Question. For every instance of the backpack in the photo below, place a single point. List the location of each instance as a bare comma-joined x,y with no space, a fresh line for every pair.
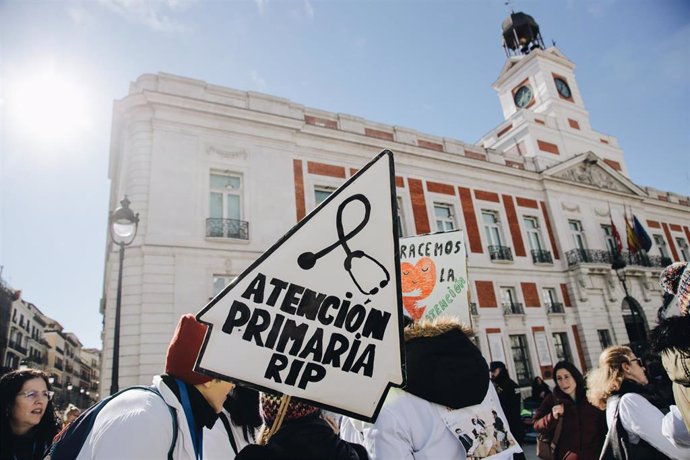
69,442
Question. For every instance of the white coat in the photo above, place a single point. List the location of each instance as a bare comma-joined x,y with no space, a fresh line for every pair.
138,425
217,443
641,419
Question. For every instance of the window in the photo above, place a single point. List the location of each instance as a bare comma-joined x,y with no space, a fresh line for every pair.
604,338
661,244
445,218
492,228
509,302
578,234
560,342
400,221
226,194
225,207
683,246
219,282
550,299
523,370
321,193
609,239
533,233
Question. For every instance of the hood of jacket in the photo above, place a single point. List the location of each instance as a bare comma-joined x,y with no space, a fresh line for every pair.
443,364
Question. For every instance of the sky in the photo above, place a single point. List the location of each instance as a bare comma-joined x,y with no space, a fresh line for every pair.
427,65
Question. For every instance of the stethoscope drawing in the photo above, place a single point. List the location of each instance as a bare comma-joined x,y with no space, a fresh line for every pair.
307,260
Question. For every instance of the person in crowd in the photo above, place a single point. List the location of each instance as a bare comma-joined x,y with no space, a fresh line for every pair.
583,427
540,389
619,384
509,396
671,339
70,414
236,427
27,419
305,433
445,370
137,424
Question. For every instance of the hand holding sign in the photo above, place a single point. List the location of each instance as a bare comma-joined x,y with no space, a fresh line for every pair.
317,316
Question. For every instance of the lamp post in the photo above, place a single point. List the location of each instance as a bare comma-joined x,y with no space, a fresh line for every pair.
619,266
123,229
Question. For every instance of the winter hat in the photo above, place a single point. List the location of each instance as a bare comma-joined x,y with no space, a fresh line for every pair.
296,409
496,365
184,349
675,279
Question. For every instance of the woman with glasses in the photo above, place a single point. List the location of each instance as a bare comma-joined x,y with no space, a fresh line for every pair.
619,385
27,419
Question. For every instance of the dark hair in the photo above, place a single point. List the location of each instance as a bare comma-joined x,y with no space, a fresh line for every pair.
10,385
581,387
243,405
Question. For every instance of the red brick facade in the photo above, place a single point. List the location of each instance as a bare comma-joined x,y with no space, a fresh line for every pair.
470,220
514,225
421,219
486,294
531,295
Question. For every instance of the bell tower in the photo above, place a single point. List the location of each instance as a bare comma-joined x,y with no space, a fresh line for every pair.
544,112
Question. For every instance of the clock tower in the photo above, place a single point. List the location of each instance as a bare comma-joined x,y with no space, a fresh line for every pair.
544,112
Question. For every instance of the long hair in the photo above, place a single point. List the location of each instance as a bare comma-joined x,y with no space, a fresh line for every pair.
580,385
10,385
606,379
243,405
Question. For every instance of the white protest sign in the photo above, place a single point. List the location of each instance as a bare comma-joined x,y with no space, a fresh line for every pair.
318,316
434,276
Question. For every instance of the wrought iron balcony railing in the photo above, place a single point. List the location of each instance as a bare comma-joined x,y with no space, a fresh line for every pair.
603,256
555,308
58,366
473,309
17,346
512,308
541,256
227,228
500,253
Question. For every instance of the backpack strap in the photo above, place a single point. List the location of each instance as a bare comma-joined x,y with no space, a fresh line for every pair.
231,437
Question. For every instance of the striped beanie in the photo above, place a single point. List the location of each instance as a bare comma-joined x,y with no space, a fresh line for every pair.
675,279
296,409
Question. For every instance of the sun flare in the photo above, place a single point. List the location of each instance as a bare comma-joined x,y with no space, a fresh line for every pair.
48,106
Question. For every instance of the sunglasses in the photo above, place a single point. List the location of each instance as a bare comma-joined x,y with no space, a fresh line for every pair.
638,361
33,395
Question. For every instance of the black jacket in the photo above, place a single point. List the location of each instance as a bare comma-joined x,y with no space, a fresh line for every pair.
509,395
307,438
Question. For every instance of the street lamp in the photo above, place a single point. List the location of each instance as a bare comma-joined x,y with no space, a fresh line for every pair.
123,229
619,266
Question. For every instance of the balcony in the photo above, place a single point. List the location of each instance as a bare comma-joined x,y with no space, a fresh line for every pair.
555,308
227,228
58,366
540,256
512,308
603,256
17,346
500,253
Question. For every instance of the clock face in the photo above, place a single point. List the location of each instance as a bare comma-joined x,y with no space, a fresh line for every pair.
563,88
523,96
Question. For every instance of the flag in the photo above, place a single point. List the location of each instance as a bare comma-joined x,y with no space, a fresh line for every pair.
633,243
616,238
642,237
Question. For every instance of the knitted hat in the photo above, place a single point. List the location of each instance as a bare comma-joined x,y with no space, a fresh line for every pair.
184,349
675,279
296,409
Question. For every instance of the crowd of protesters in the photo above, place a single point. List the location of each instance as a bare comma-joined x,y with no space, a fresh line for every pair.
623,408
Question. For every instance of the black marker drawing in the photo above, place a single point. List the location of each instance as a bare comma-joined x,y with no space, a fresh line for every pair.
307,260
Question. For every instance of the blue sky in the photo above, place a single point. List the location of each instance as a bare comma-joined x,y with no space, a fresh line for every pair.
426,65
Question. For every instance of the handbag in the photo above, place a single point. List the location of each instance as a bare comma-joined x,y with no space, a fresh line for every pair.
546,448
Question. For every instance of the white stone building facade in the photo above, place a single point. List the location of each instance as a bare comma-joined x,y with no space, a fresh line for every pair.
217,175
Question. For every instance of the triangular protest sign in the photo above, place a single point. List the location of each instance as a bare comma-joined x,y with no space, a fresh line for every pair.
318,316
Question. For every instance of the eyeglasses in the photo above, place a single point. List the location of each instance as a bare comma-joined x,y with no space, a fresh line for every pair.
33,395
638,361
